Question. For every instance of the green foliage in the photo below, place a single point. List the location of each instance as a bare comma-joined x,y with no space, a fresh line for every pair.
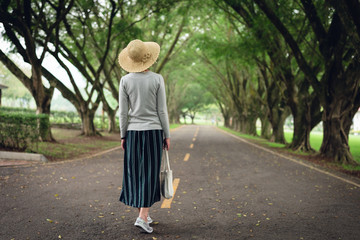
173,126
196,99
16,90
18,110
64,117
18,130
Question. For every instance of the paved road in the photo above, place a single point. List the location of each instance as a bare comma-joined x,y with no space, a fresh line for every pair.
228,189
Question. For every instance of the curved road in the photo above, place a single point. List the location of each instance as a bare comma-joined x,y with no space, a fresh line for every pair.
226,189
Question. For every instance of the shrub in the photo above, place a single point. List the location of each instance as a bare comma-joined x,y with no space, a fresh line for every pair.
18,129
15,109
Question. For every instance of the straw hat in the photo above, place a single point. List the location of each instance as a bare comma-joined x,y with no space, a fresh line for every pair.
138,55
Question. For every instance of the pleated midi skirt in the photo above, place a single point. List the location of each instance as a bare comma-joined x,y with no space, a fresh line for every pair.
142,161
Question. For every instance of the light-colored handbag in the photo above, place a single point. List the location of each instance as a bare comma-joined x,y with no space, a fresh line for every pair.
166,178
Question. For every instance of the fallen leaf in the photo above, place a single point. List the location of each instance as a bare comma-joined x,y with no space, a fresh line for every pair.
49,220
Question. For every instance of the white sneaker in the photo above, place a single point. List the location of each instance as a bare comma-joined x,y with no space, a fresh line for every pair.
144,225
149,219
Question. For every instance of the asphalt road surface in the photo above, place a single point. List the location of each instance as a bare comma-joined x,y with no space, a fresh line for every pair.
225,189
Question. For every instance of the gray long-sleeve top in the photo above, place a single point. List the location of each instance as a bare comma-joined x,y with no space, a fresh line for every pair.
144,94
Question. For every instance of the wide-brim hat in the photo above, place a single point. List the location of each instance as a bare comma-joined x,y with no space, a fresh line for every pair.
138,55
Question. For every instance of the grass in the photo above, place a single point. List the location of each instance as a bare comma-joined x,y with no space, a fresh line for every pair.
71,145
172,126
315,141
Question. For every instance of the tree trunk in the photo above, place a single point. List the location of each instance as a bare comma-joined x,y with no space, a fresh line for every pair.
46,135
265,127
42,98
236,124
306,116
174,116
226,121
277,122
184,116
335,143
278,134
111,114
112,122
242,123
88,126
177,118
249,125
225,111
301,134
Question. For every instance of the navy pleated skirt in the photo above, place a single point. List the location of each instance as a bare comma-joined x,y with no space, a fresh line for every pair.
142,161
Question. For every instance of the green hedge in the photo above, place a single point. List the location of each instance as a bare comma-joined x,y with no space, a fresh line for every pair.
64,118
19,129
15,109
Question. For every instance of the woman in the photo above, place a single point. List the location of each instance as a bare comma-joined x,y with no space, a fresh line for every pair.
142,128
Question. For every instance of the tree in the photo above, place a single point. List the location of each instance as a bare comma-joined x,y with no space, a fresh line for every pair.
338,87
21,25
171,30
84,30
73,46
283,76
227,72
196,99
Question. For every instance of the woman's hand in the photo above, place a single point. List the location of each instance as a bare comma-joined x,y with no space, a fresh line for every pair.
167,144
123,144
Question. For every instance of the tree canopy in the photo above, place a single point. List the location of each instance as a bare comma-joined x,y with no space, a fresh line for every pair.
257,59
